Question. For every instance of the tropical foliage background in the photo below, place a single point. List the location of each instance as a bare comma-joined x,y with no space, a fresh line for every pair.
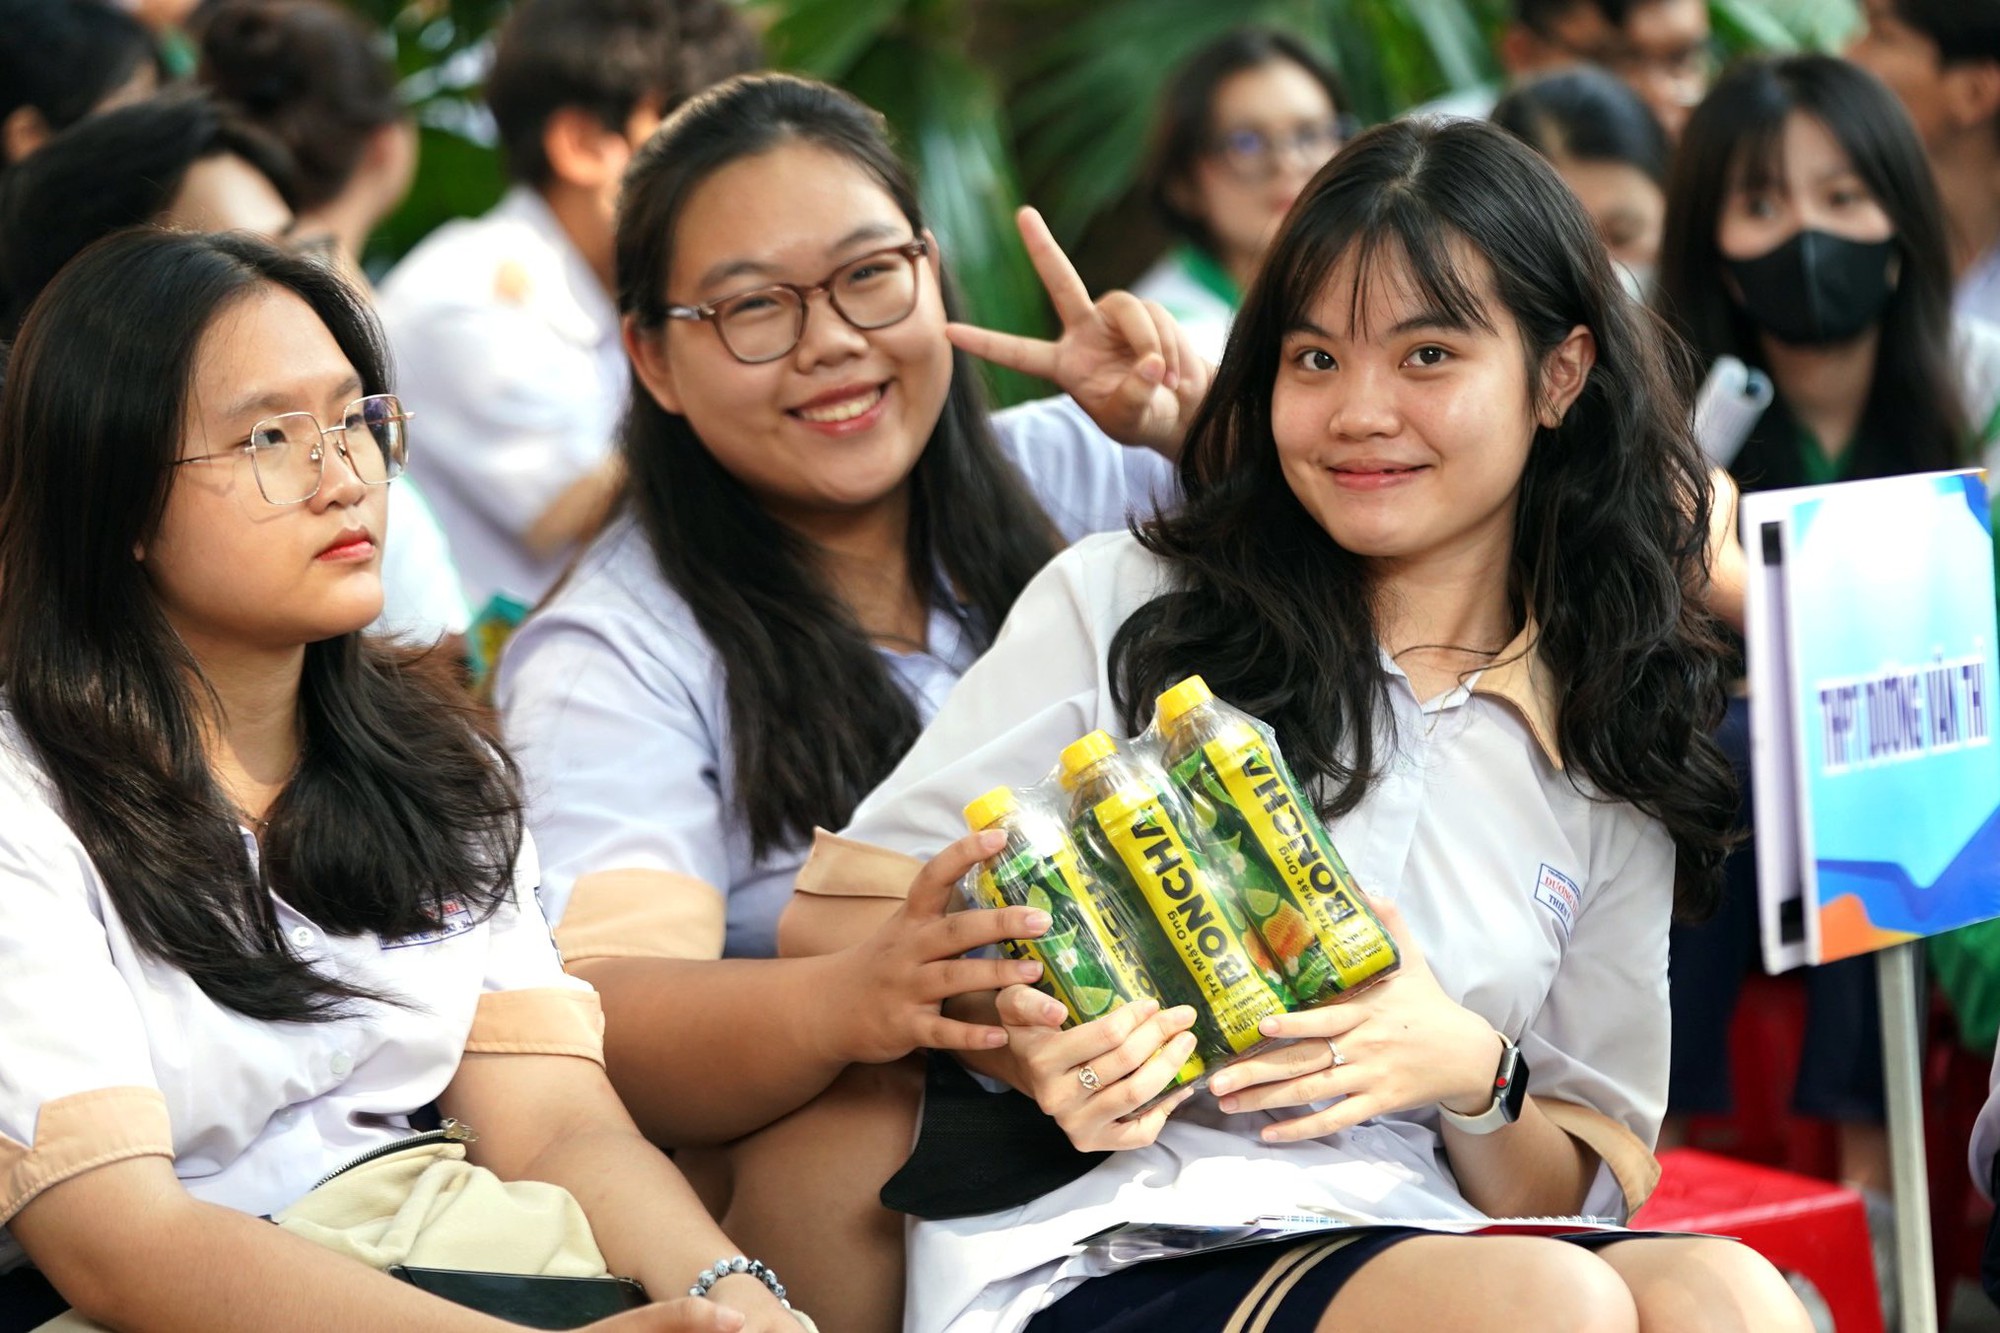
1000,102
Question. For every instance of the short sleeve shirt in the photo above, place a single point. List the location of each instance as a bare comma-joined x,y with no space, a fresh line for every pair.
616,705
1539,908
507,354
111,1053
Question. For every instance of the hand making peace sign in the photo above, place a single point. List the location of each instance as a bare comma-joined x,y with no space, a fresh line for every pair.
1125,361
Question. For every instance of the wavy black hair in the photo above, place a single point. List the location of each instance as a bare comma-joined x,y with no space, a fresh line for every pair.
1611,518
402,800
1915,417
816,720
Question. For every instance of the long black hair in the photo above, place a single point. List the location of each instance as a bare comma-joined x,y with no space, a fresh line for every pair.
1915,417
816,720
401,800
1611,519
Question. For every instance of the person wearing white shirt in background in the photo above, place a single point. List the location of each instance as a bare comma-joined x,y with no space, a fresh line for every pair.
265,892
1442,517
1242,126
820,533
504,330
314,77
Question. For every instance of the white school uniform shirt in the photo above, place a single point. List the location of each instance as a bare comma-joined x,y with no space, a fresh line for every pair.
422,599
1197,293
615,704
1539,909
111,1054
507,352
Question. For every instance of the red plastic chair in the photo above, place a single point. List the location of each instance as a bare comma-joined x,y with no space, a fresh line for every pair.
1805,1226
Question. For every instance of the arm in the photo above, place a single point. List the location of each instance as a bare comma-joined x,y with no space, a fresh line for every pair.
797,1022
130,1249
554,1118
1728,569
578,509
497,402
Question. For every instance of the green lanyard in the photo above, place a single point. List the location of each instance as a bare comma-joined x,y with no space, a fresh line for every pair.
1816,467
1208,275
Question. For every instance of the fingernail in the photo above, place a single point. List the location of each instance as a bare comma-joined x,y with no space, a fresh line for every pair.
1151,371
992,840
1269,1134
1228,1103
1221,1084
728,1319
1028,971
1269,1027
1053,1012
1173,380
995,1038
1182,1016
1038,920
1147,1008
1184,1045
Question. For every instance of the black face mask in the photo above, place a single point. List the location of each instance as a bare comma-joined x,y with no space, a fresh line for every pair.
1816,288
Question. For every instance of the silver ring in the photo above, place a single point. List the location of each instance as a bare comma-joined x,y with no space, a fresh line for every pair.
1338,1058
1088,1077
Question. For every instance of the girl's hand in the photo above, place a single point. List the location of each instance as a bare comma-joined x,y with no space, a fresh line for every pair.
686,1315
1125,361
894,983
1403,1043
1132,1054
759,1313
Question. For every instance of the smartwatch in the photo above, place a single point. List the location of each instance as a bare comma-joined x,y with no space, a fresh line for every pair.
1510,1093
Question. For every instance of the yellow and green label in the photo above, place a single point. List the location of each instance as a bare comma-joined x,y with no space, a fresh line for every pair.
1313,881
1210,947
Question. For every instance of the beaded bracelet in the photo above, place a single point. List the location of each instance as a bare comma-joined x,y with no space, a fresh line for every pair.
706,1279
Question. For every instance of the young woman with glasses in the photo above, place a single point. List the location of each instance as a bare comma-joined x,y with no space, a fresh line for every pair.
821,530
1242,127
265,894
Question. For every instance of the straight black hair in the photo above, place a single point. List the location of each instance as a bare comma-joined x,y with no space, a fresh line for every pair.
64,57
1964,30
1610,530
1915,417
1185,125
816,720
311,74
606,57
115,170
1586,115
401,803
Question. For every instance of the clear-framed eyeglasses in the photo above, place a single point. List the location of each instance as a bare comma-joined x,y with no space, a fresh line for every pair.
765,323
1252,155
288,452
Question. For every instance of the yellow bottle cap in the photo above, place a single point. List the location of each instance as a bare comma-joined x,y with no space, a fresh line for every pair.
989,809
1079,755
1182,699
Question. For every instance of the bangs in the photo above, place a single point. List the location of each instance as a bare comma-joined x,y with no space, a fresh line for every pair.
1758,129
1397,241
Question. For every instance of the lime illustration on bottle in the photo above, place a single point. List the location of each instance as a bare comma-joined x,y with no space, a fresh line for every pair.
1298,892
1089,961
1126,827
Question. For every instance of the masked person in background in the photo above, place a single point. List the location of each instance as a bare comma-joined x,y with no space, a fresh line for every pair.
1804,237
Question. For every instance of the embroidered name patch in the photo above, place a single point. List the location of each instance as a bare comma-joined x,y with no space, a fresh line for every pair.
456,920
1558,892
